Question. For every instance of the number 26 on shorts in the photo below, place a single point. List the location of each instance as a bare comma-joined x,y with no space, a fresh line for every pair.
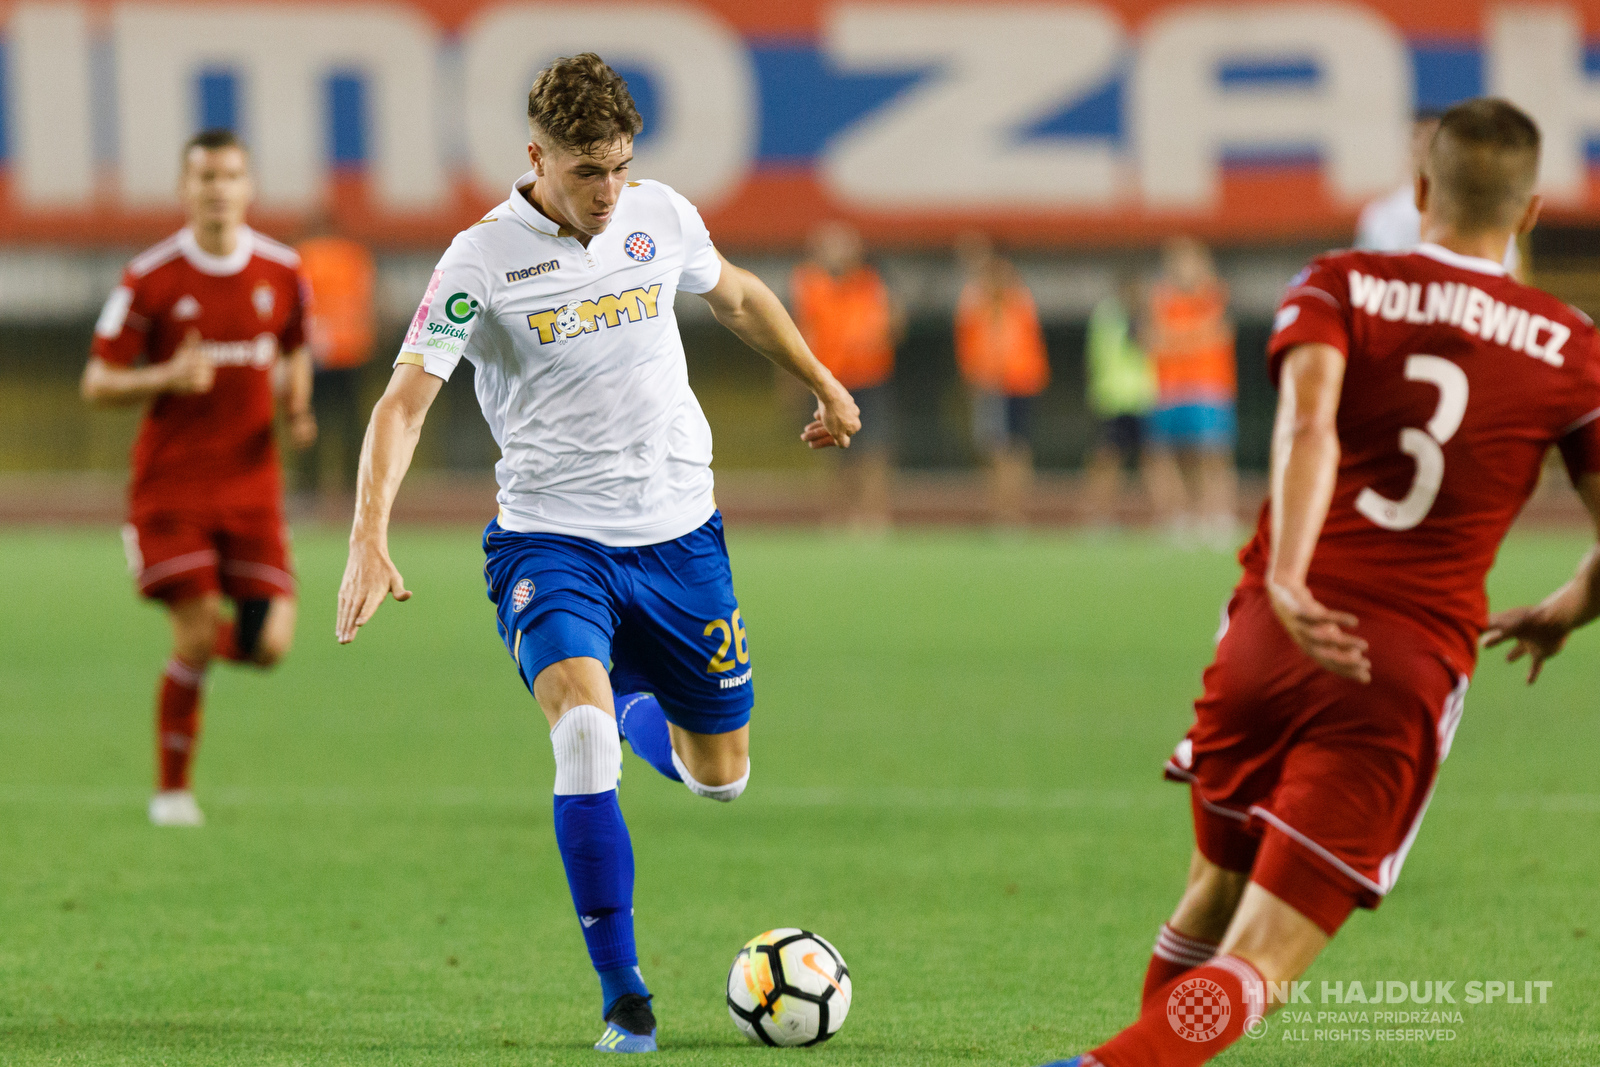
1425,447
733,637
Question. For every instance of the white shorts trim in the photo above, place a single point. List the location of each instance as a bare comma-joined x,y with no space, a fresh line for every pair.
263,572
130,548
189,561
1317,850
1215,809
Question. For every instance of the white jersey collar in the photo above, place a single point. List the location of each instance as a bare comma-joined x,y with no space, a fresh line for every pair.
218,266
526,211
1456,259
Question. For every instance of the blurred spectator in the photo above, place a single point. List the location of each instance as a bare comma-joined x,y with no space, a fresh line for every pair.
847,317
1392,223
1191,343
1122,392
1000,351
341,275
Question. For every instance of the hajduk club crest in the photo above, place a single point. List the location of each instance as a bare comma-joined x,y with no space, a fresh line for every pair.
521,593
640,246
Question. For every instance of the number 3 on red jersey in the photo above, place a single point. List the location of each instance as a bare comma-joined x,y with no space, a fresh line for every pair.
1423,446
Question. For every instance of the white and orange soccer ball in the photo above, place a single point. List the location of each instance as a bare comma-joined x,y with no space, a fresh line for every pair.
788,987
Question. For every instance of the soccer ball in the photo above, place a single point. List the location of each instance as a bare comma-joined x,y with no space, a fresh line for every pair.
788,987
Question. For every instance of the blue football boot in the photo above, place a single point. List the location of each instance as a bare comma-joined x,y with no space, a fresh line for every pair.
630,1026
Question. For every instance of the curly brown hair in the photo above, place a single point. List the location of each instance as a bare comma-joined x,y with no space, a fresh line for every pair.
582,105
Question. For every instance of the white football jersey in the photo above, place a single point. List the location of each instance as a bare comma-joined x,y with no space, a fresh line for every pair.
578,363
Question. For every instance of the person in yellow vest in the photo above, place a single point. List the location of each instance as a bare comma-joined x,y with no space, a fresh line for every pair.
845,312
342,276
1001,354
1122,393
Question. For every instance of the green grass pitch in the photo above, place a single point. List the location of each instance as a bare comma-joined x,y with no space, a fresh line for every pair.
956,779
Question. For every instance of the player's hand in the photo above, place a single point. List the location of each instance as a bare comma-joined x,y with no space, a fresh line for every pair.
1321,633
303,429
190,370
1538,634
369,576
836,421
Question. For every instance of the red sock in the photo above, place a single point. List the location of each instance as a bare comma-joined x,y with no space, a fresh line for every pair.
177,723
227,646
1174,954
1190,1019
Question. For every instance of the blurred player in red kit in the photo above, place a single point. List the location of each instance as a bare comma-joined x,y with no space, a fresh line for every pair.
207,330
1418,395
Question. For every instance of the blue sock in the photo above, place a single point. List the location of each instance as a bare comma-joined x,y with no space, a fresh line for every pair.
598,857
620,980
644,726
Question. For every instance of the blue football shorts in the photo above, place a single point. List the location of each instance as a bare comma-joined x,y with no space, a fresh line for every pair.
1203,426
663,617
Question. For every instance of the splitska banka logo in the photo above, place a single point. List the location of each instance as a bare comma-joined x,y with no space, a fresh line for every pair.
585,316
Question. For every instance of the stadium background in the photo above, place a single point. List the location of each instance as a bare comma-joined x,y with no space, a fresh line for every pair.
957,758
1078,134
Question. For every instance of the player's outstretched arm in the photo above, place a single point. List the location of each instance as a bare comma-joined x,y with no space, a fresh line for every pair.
1541,631
189,370
743,303
1305,465
369,574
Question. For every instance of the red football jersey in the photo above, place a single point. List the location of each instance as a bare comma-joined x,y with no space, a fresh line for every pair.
1458,381
210,451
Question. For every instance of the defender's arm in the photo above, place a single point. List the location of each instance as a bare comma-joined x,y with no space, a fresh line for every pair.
386,453
743,303
1541,631
1305,465
188,371
297,398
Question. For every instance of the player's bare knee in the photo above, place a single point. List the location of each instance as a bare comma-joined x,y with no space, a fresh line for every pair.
194,630
271,650
572,683
273,636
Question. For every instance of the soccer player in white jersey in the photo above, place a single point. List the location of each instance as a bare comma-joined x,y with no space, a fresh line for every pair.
608,549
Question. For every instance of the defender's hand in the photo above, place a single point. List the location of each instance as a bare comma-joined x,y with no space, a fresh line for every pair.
369,576
1538,634
190,370
303,429
836,421
1321,633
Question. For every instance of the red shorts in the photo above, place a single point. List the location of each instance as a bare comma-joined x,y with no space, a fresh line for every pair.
1314,784
179,556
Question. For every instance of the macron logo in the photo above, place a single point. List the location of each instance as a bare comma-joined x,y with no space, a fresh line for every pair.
534,271
1463,306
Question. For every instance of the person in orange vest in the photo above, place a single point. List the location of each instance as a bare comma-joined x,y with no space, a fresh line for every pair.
1191,341
845,313
341,275
1000,352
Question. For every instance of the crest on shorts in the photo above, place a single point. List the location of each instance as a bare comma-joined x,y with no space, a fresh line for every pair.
521,593
640,246
264,297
